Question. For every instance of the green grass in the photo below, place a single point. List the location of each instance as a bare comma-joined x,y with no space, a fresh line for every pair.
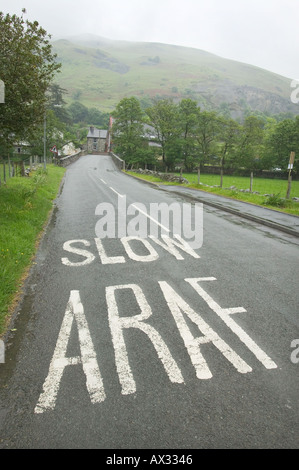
261,185
189,70
275,187
25,204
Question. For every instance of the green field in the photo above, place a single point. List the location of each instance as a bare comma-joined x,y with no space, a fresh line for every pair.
24,210
275,189
261,185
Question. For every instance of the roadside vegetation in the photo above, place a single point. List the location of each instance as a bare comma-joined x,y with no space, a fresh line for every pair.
229,155
185,136
272,191
24,210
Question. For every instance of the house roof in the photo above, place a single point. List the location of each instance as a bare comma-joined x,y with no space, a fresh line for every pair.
96,133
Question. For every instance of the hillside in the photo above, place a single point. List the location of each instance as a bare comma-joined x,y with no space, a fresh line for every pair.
100,72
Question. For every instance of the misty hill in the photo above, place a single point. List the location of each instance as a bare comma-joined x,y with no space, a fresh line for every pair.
99,72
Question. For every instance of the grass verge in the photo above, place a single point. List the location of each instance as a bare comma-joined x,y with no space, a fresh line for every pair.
25,205
272,191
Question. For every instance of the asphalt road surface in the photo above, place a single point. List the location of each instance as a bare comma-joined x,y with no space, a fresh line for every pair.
152,343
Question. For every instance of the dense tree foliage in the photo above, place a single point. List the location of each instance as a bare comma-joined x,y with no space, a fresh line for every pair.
190,137
128,132
27,68
80,114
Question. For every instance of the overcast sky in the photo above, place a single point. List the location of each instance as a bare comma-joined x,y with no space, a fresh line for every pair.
258,32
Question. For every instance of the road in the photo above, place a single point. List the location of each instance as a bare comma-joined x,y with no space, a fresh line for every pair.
123,343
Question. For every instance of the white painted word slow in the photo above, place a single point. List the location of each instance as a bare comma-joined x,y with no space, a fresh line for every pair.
173,246
180,311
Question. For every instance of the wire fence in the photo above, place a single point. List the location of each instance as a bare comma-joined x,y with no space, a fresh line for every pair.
12,167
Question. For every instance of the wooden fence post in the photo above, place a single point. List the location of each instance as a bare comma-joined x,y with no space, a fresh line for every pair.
290,168
251,181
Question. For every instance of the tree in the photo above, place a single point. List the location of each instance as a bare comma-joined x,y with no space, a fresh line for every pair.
207,131
98,118
78,112
128,130
228,137
188,114
28,67
55,135
250,143
163,116
281,140
57,103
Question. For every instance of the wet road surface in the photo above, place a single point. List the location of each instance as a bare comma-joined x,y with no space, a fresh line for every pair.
129,344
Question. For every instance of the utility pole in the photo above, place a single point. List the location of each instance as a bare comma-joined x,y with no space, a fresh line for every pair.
45,140
290,168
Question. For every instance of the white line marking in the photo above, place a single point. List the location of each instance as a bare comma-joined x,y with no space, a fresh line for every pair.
120,195
151,218
103,181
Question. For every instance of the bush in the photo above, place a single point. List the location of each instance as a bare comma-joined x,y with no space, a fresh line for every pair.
275,200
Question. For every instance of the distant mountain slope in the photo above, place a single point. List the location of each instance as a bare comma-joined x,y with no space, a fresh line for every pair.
100,72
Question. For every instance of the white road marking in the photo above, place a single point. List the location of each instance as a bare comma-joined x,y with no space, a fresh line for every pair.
67,246
117,324
151,218
107,259
103,181
224,314
169,246
112,189
177,305
152,255
94,383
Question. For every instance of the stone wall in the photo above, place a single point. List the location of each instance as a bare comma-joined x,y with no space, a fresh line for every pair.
65,161
164,176
118,161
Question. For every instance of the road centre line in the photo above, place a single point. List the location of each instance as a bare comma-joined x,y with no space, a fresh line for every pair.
103,181
142,212
120,195
151,218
